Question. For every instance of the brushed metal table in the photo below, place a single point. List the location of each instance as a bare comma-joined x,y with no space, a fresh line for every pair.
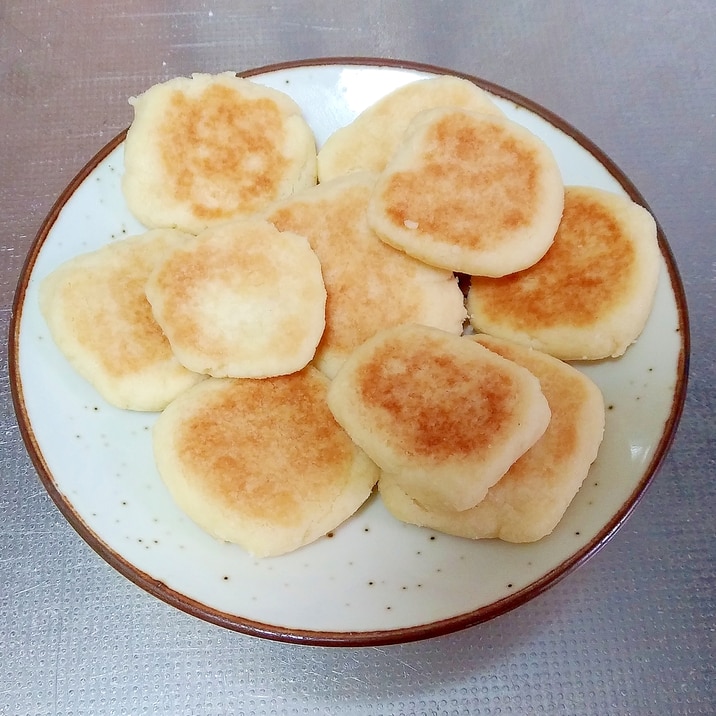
633,630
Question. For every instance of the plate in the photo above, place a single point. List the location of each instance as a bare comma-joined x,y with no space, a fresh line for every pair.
375,580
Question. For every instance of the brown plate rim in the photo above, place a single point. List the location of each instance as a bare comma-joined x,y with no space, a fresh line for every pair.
352,638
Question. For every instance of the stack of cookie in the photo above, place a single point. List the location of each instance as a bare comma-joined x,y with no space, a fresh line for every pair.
394,308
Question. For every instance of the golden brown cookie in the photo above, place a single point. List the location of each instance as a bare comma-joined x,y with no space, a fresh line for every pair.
591,294
261,463
369,285
444,415
211,148
369,141
241,300
98,315
470,192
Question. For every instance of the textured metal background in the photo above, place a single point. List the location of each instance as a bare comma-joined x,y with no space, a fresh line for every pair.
632,631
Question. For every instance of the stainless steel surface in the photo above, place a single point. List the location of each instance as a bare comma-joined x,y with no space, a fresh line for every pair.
630,632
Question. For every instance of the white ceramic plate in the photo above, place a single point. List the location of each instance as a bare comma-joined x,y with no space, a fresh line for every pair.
376,580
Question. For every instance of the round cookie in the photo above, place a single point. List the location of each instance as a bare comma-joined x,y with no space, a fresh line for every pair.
474,193
444,415
369,141
240,300
211,148
99,317
261,463
591,294
370,285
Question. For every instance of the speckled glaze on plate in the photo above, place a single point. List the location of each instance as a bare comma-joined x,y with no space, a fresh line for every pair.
374,580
